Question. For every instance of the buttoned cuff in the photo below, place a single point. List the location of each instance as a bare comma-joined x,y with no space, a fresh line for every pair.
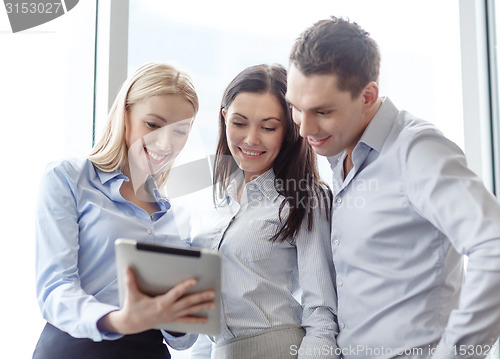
180,343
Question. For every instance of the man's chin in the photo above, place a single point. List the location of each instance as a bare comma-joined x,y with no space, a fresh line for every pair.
323,152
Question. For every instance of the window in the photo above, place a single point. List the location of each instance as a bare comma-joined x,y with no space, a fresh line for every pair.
215,40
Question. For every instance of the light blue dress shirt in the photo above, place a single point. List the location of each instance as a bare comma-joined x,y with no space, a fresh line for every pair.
402,220
266,284
80,214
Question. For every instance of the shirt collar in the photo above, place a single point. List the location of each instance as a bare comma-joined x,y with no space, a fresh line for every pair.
107,176
265,183
234,184
379,127
150,186
377,130
333,160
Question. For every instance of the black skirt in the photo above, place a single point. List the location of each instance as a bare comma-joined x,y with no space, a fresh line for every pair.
56,344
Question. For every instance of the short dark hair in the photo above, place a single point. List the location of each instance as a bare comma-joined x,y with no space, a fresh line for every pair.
339,47
295,163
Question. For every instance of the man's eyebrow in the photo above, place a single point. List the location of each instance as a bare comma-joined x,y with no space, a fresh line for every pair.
315,108
321,107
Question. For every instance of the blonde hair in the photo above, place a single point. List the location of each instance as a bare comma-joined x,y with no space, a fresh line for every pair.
152,79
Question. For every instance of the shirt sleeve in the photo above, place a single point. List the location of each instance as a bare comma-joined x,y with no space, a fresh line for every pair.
316,279
450,196
62,301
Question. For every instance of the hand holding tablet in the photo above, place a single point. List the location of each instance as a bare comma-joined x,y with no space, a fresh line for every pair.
169,278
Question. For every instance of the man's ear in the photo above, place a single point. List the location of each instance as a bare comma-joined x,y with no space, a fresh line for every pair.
370,94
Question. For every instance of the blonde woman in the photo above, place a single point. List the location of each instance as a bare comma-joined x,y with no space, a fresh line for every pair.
86,204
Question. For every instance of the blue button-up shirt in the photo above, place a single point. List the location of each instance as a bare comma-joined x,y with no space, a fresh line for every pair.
266,284
402,220
80,214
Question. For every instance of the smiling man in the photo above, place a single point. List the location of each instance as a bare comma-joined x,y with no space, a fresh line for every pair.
406,210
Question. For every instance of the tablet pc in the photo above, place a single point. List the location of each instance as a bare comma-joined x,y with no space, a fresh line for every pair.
159,268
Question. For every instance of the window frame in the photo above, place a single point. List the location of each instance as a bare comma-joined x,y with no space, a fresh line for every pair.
494,79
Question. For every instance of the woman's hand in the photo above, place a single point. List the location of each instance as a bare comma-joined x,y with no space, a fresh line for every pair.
141,312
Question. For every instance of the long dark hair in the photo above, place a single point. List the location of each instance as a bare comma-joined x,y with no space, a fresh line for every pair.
295,167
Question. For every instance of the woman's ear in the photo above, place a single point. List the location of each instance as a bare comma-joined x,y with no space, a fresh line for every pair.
125,120
223,113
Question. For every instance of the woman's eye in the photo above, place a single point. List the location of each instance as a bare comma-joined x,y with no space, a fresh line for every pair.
238,124
268,129
152,125
180,132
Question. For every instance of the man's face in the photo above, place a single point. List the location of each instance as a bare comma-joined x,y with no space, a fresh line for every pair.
330,119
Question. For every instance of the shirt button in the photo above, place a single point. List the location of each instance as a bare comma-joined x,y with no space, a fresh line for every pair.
260,198
342,325
252,187
339,200
340,283
337,242
149,232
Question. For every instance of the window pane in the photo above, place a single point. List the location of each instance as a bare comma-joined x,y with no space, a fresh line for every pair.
419,41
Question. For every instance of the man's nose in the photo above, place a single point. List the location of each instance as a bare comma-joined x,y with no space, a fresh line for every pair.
308,124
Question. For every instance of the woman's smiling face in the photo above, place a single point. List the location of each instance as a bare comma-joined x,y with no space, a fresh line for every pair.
255,128
156,130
